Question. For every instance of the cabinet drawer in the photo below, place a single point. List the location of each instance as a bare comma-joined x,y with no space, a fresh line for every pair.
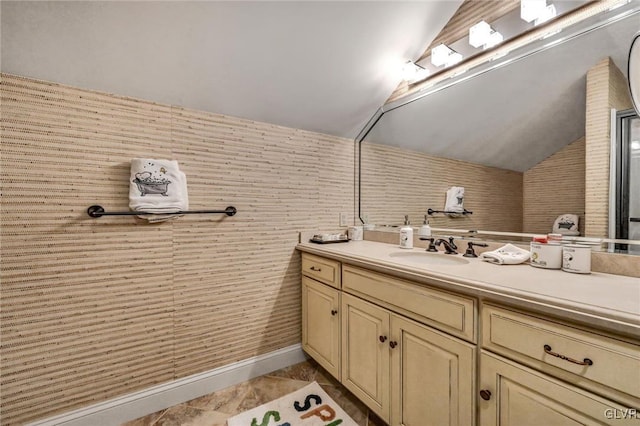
447,312
534,341
321,269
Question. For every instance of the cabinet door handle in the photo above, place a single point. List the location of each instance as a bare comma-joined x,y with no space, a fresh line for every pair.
393,344
313,268
485,394
334,312
382,339
586,361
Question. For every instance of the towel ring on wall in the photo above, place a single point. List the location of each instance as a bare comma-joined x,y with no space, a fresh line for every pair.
432,211
98,211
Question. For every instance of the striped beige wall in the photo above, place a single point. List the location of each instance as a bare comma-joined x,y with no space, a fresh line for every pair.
95,308
396,182
606,89
553,187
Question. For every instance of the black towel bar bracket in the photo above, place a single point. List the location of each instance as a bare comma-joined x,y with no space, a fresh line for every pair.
98,211
431,211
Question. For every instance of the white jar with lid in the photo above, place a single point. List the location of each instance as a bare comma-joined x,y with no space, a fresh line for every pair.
576,258
546,255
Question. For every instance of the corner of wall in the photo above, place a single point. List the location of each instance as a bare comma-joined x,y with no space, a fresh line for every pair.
605,90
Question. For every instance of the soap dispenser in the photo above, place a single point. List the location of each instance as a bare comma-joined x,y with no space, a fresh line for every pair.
425,230
406,234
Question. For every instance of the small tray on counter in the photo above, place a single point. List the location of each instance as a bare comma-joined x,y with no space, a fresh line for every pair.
329,239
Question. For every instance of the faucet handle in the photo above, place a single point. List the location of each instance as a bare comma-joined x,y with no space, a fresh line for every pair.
470,252
432,246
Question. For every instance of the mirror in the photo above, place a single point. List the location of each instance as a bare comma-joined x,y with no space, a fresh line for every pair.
511,132
634,71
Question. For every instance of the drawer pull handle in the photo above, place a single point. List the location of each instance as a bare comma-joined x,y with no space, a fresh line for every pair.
334,312
586,361
393,344
382,339
313,268
485,394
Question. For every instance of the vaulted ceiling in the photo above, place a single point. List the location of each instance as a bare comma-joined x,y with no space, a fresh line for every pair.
319,66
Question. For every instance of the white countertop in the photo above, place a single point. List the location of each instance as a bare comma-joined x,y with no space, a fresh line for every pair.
605,300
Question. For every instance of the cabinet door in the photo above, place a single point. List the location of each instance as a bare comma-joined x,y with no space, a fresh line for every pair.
365,353
432,377
321,324
512,394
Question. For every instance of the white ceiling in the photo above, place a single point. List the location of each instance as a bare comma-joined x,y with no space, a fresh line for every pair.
319,66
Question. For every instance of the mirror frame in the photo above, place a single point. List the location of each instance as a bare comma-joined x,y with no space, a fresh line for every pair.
569,33
634,61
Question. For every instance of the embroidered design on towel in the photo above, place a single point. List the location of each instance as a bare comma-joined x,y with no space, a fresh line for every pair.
152,182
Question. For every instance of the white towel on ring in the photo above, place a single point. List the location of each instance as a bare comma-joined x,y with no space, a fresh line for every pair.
157,186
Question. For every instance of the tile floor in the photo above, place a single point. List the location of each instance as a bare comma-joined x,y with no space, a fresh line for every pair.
215,408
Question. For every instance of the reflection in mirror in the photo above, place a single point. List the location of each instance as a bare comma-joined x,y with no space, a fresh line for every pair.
626,195
528,137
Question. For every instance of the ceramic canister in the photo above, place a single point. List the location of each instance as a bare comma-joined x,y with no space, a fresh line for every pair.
576,258
547,256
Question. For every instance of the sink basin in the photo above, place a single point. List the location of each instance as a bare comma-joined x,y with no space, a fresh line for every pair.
428,258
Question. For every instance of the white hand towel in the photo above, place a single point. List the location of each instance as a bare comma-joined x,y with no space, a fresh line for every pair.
157,186
506,255
455,200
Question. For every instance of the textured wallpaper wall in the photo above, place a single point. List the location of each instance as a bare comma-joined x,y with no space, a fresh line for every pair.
553,187
94,308
396,182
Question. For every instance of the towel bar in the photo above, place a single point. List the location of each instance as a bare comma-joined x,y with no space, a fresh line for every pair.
98,211
432,211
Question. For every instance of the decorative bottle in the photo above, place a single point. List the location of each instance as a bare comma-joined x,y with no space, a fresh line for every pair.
425,230
406,234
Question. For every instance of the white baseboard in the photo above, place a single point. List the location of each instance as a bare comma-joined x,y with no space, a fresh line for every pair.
134,405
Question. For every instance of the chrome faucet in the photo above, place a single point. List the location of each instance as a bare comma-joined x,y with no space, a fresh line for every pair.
449,246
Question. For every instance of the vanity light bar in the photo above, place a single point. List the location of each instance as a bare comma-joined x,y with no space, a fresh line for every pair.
530,9
546,14
443,55
482,35
536,11
412,72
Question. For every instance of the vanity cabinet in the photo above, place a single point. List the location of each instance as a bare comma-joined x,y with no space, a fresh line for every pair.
432,376
601,364
321,311
321,324
407,372
377,335
556,374
419,355
326,271
365,353
514,395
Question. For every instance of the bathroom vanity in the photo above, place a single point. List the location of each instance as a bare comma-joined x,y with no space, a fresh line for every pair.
433,339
